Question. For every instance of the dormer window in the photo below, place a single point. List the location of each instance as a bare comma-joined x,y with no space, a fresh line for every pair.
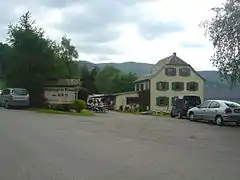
184,72
170,71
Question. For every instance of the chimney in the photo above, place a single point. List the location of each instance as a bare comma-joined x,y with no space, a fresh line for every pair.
174,54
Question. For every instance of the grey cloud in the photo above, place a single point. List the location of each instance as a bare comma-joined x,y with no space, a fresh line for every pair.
192,45
102,36
153,30
96,49
103,58
58,3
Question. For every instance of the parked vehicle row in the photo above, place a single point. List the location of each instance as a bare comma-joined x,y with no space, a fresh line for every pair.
214,111
14,97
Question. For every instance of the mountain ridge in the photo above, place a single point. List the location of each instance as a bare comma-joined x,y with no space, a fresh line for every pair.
213,81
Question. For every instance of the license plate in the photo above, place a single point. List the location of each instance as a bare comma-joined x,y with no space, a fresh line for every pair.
237,110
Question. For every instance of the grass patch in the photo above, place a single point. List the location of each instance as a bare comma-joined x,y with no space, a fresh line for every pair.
84,112
161,114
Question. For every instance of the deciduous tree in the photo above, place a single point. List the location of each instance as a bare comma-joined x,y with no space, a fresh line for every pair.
223,31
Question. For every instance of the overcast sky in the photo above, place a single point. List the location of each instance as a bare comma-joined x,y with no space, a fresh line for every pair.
122,30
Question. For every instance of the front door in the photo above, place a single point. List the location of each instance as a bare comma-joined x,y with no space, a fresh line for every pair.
203,110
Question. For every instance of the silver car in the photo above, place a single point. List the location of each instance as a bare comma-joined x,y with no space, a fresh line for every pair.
14,97
216,111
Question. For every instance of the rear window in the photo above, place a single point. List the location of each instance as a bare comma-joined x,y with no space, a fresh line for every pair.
21,92
192,100
232,104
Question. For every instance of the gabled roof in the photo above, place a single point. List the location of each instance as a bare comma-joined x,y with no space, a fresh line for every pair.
170,60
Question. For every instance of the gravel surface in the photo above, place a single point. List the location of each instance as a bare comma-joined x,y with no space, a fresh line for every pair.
115,146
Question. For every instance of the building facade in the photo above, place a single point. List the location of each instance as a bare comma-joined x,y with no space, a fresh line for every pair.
169,78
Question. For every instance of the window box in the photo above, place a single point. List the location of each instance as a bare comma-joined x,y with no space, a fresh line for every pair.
162,86
170,71
192,86
177,86
162,101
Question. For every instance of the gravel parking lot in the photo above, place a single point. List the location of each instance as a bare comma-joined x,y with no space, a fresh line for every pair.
114,146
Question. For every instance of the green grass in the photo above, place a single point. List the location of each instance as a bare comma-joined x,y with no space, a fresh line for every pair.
161,114
84,112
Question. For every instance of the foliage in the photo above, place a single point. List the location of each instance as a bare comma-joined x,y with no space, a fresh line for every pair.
69,55
112,80
84,112
30,59
88,79
79,105
223,31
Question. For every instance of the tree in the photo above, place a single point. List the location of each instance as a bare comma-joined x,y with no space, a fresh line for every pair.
104,79
123,82
88,78
112,80
223,31
4,55
69,55
33,59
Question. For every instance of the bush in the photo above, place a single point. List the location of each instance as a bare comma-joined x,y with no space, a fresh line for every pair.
79,105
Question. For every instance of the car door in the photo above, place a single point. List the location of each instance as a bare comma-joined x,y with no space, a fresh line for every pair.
4,96
202,110
212,110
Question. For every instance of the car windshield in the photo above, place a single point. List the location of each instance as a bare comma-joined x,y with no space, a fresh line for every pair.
232,104
21,92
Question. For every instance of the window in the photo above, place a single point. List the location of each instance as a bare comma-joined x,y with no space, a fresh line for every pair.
170,71
6,92
178,86
137,87
205,104
131,100
184,72
141,87
192,86
232,104
162,101
162,86
214,104
20,92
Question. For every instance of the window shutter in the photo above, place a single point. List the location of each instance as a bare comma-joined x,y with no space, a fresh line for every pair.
167,85
157,85
173,86
196,86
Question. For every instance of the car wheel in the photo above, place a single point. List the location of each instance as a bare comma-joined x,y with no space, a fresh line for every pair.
238,123
191,116
172,115
6,105
179,116
219,120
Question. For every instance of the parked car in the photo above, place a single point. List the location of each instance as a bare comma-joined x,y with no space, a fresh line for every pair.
14,97
216,111
183,103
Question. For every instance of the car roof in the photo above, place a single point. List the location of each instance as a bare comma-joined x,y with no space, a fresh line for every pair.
222,101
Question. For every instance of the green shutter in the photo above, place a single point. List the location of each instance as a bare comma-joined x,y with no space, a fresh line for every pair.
173,86
157,85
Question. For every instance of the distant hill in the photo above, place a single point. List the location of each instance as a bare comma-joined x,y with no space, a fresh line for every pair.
215,88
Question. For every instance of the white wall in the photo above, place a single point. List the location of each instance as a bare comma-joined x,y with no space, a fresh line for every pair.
56,95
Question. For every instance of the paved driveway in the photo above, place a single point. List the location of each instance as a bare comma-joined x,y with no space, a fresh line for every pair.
114,147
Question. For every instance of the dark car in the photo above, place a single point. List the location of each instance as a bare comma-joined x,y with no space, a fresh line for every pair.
182,104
